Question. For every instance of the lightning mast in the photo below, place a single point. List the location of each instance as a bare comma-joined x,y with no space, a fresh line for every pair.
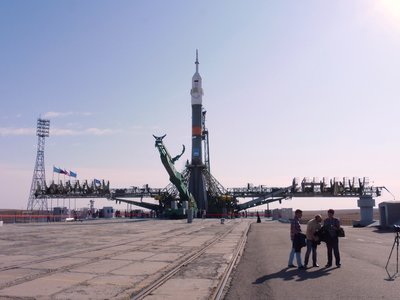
39,176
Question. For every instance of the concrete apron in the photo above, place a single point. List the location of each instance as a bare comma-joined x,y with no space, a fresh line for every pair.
114,259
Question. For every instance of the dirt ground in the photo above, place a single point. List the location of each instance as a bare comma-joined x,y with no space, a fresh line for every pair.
345,215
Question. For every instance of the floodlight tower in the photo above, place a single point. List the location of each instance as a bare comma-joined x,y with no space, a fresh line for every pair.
39,176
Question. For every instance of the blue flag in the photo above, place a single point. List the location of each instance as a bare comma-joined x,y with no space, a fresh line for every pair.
56,170
96,181
72,174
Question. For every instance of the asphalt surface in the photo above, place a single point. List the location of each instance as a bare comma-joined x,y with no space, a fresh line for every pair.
262,272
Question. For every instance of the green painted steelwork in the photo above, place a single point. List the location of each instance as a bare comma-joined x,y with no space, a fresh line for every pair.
175,177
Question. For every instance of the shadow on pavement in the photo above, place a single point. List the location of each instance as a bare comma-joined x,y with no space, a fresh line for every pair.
295,274
313,273
383,230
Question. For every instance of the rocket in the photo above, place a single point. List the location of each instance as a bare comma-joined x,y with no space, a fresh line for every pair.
197,182
197,98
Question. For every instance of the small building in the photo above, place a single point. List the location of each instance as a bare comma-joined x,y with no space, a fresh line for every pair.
59,214
60,211
284,214
389,212
108,212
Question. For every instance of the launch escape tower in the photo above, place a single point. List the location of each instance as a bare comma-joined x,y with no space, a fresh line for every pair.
39,176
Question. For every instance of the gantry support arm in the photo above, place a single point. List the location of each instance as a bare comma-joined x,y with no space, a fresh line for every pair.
174,176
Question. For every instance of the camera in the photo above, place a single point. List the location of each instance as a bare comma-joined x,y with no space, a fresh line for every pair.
396,228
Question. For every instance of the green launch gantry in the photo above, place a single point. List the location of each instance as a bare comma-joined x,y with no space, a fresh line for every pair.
175,177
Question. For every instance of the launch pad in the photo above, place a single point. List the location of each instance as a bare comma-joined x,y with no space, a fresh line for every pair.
195,190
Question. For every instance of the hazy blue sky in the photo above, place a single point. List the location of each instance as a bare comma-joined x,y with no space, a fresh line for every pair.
291,89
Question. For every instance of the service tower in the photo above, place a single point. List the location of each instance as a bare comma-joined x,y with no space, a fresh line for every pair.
197,185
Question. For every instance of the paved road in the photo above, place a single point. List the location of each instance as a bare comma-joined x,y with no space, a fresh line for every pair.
263,274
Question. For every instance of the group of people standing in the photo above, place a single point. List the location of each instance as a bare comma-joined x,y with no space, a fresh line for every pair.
330,226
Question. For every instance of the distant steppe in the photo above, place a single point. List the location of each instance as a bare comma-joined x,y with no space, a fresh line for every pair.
345,215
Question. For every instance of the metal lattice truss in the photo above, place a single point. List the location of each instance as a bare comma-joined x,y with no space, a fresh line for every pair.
260,194
213,187
74,189
39,174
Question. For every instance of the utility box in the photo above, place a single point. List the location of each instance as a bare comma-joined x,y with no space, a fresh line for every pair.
389,213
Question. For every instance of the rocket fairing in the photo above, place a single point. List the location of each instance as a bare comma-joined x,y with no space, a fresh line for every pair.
197,98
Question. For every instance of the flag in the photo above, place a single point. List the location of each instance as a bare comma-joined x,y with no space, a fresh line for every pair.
72,174
96,181
56,170
65,172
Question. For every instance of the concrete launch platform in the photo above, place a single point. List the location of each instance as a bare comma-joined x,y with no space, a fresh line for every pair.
115,259
119,259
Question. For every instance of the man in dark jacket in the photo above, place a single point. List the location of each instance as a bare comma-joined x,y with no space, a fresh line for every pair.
332,226
295,236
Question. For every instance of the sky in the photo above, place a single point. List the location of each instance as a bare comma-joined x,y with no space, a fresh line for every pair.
291,89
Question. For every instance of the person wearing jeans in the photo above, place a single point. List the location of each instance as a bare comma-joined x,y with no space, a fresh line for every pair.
312,240
295,231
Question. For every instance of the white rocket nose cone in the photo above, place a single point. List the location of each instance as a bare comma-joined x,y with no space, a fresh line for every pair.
197,89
